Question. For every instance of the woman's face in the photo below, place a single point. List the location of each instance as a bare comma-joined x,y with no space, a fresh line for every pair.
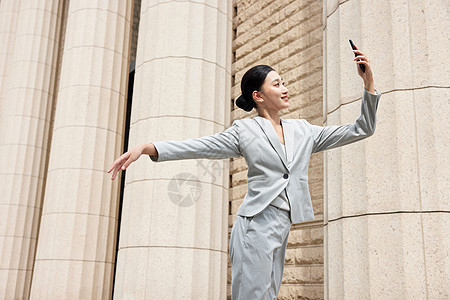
273,93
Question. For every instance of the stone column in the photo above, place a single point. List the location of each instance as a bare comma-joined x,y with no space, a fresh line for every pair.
76,248
387,198
27,91
173,238
9,11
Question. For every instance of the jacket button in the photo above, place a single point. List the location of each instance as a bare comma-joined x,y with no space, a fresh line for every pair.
285,176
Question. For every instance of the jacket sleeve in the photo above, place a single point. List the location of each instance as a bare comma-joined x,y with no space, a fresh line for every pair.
220,145
329,137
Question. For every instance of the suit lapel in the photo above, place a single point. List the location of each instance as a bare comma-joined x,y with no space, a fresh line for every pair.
288,134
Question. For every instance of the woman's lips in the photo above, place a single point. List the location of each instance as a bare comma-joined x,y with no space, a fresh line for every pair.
285,98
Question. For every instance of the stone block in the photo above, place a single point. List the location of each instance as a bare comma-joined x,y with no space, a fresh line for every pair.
290,9
296,275
239,178
235,204
305,255
245,50
186,88
386,245
309,291
435,228
238,165
76,237
299,17
313,22
180,27
185,223
238,192
20,289
395,115
92,277
165,262
430,147
109,30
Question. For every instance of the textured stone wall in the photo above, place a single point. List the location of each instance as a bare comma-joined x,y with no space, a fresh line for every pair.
135,30
286,35
387,198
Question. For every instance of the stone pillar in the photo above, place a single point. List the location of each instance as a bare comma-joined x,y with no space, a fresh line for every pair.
27,91
76,248
386,198
9,11
173,238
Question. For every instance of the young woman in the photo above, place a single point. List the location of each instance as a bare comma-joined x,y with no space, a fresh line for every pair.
277,153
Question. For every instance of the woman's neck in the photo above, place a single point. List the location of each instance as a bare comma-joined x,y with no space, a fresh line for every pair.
272,116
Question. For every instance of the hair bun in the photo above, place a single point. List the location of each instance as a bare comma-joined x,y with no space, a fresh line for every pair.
241,102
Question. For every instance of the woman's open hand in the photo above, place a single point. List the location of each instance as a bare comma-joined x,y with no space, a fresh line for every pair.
367,76
125,160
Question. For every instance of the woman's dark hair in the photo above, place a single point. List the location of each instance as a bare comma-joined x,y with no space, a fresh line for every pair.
252,81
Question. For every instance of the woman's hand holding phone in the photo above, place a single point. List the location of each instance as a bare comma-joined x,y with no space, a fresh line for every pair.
364,69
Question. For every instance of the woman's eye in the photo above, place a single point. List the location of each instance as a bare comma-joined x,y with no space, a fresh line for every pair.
277,84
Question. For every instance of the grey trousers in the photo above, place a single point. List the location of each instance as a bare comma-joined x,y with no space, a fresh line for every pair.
257,251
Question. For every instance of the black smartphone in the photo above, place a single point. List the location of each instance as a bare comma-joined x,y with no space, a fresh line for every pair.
363,68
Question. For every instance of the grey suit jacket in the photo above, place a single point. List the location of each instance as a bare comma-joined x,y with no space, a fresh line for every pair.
269,172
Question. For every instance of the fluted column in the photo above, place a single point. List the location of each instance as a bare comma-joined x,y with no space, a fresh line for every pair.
387,198
173,238
76,247
27,92
9,11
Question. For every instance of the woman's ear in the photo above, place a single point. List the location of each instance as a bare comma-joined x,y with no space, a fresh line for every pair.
257,96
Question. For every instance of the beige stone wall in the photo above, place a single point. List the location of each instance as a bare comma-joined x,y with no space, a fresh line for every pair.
387,197
135,29
286,35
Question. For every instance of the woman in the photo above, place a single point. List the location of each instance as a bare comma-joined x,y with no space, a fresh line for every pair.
277,153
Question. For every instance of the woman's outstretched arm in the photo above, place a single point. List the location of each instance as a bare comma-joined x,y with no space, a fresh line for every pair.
217,146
